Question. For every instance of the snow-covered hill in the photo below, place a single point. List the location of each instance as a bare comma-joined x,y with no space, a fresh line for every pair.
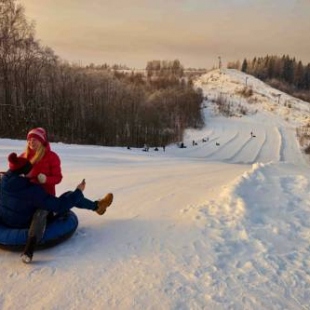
221,224
230,83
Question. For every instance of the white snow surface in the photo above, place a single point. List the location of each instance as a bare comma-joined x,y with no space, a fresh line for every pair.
204,227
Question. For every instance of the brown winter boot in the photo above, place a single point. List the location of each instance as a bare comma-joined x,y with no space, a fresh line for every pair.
104,203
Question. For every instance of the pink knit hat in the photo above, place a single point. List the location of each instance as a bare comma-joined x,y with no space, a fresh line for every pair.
38,133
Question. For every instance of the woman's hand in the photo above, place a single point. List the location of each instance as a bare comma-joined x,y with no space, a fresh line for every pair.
41,178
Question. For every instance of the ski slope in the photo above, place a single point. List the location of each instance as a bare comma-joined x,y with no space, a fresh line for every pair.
203,227
270,141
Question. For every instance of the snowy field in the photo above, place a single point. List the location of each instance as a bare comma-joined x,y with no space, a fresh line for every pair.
223,224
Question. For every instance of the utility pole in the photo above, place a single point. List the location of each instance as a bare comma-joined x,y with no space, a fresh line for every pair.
220,62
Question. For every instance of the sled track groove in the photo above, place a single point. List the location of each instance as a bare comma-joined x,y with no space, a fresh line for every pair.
222,145
244,146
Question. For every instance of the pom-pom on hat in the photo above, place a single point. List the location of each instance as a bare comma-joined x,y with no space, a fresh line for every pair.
38,133
19,165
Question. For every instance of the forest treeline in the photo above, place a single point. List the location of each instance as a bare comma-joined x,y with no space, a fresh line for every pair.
91,104
283,73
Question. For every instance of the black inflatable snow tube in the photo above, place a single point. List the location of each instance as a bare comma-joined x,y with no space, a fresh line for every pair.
57,231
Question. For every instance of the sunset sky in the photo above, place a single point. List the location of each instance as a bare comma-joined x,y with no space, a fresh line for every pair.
196,32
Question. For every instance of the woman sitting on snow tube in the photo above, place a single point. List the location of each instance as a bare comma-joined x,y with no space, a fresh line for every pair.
57,229
21,200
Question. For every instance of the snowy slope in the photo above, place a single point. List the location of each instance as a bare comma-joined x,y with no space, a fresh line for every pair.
205,227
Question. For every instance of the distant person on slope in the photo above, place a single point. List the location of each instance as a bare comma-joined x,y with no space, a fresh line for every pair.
20,199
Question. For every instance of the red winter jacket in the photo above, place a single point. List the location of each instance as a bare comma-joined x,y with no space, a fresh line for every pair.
50,166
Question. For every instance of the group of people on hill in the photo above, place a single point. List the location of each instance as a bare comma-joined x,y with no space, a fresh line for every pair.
28,191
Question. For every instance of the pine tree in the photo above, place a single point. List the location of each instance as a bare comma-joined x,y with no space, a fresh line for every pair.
244,66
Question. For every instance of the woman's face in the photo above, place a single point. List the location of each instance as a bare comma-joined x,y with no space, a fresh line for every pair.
34,143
